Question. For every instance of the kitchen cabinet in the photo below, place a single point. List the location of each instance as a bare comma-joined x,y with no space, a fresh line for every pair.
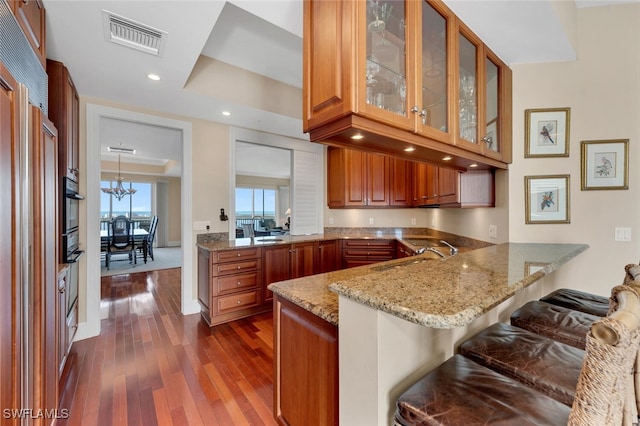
230,284
328,259
361,179
44,305
359,252
306,367
400,77
357,178
287,261
61,320
30,15
442,187
64,108
11,280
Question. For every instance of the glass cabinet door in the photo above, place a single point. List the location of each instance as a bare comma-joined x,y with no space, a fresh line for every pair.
433,97
467,90
490,134
386,58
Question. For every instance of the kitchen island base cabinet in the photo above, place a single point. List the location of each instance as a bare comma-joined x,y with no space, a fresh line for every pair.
306,367
230,284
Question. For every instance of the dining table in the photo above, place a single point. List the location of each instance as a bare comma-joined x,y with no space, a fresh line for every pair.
139,237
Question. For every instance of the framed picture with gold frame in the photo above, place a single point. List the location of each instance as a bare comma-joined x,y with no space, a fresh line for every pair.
546,132
605,164
547,199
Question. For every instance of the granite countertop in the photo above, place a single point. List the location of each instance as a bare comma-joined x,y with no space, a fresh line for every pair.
434,292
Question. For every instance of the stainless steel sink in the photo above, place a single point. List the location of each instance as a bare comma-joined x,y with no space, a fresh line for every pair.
266,240
423,242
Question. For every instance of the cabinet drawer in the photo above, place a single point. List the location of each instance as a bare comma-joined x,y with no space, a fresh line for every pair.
235,283
235,301
233,255
378,244
235,267
386,254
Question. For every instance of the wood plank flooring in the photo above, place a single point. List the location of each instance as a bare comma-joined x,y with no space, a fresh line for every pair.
153,366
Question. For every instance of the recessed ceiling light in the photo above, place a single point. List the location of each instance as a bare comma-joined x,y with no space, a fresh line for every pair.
154,77
447,158
410,149
226,113
473,165
357,136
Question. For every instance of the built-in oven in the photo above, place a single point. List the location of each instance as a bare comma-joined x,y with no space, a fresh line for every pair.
70,239
71,210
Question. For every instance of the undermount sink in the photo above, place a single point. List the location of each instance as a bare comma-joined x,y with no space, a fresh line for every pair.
266,240
423,242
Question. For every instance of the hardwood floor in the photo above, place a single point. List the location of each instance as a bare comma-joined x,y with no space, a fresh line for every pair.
153,366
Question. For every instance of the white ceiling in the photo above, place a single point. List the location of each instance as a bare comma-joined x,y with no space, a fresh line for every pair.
262,36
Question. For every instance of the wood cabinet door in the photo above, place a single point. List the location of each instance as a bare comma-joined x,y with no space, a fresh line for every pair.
355,178
400,183
448,185
303,259
61,321
328,259
30,14
420,189
10,249
276,267
306,367
335,177
377,180
45,258
432,185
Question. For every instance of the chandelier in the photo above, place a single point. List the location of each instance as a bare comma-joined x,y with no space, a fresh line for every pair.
119,192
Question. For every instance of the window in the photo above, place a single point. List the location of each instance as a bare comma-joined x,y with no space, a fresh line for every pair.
251,202
136,206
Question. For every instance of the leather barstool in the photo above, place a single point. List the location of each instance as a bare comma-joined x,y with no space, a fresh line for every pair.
544,364
579,301
556,322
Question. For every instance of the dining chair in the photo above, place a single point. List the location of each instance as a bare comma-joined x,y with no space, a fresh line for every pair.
147,244
121,240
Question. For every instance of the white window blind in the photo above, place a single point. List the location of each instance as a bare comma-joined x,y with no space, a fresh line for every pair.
306,184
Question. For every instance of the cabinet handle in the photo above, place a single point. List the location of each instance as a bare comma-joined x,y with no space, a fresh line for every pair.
423,114
61,290
488,140
424,197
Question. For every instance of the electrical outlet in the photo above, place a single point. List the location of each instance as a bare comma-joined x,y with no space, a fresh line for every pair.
331,220
493,231
413,220
371,221
201,225
623,234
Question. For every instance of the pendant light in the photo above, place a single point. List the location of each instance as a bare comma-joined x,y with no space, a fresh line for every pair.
119,192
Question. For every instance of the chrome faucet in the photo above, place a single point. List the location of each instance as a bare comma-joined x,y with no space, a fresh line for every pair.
434,250
452,249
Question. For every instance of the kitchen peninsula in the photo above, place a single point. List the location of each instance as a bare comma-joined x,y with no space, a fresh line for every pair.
394,321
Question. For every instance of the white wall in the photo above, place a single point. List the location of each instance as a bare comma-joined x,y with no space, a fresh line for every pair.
602,89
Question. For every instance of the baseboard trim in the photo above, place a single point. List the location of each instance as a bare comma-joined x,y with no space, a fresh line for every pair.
174,243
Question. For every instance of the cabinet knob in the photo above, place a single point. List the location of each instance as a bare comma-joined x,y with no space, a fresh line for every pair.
239,283
488,140
424,197
238,254
238,302
239,267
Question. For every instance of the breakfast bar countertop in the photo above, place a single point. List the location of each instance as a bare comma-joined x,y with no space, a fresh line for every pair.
438,293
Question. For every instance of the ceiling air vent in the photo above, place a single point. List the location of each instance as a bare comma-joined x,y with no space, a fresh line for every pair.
129,33
121,150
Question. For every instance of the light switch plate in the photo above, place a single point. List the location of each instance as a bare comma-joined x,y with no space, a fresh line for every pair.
623,234
371,221
413,220
493,231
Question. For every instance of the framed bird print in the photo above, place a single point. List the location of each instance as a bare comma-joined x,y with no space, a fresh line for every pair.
547,132
546,199
605,164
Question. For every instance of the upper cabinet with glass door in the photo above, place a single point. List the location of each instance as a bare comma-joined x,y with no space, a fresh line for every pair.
483,91
404,76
